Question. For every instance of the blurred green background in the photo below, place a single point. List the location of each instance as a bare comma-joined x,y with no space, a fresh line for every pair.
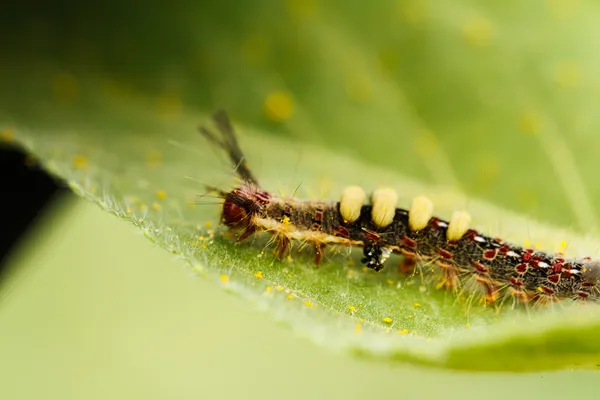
102,313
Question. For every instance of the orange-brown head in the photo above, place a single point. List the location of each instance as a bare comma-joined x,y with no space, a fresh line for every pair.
242,203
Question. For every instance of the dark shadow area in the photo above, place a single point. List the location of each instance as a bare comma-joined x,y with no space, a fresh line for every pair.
27,190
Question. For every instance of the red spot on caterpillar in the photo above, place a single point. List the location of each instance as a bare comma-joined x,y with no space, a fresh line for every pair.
516,282
503,249
527,255
445,254
534,262
554,279
566,272
521,268
583,295
490,254
408,242
370,235
557,267
319,216
547,290
479,267
470,234
343,232
434,222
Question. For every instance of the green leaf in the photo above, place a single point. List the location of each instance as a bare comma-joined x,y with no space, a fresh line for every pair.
442,101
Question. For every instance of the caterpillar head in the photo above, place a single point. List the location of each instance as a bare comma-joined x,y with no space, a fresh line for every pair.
241,204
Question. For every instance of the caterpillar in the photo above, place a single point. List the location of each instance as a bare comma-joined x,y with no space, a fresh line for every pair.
494,268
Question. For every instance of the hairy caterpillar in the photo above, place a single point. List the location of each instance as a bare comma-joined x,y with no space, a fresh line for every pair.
493,267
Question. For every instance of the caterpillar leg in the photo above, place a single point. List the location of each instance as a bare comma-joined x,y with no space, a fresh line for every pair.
408,265
283,247
247,232
319,248
490,293
450,279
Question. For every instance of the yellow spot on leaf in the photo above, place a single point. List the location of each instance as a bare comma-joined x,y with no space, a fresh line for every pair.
352,308
279,288
279,106
155,206
258,275
308,304
7,135
530,123
224,279
403,331
161,195
129,210
80,162
478,32
270,289
416,305
208,224
468,325
290,296
387,320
